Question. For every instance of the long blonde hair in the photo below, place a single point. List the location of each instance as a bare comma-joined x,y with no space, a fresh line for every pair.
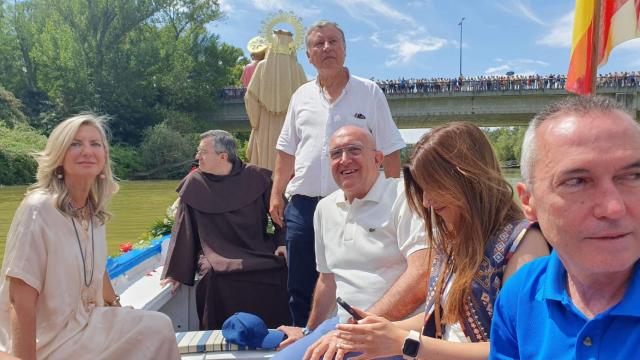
51,159
456,164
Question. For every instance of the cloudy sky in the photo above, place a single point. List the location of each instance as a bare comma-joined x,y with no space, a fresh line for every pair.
388,39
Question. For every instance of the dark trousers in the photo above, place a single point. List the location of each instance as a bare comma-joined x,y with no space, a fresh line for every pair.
301,254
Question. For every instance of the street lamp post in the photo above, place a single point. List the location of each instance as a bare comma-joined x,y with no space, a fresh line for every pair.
460,23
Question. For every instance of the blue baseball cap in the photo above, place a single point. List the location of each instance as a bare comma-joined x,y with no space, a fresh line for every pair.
248,330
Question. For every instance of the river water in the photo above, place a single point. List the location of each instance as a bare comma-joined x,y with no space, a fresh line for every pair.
134,208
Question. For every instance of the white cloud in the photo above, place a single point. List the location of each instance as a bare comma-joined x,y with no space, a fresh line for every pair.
497,70
287,5
560,33
518,8
364,9
420,3
631,45
405,48
226,7
518,66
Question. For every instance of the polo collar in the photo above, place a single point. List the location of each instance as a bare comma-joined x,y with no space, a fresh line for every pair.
554,288
629,304
555,279
375,194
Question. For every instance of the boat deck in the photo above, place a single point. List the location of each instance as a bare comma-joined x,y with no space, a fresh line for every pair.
141,289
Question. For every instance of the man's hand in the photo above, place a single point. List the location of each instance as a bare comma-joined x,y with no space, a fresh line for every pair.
276,209
293,333
325,348
282,251
174,284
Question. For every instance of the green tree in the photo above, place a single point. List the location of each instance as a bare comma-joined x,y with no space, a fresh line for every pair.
189,16
17,144
165,154
10,109
507,142
143,62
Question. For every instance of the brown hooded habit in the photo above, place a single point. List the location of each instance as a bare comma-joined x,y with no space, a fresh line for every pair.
220,230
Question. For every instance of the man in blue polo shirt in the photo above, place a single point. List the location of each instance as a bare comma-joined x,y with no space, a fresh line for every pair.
581,171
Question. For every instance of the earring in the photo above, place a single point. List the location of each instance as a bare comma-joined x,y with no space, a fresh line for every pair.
60,172
59,176
102,176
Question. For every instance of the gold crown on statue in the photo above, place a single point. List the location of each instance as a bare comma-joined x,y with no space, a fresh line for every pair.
286,17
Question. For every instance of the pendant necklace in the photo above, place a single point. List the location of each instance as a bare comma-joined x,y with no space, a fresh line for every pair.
88,294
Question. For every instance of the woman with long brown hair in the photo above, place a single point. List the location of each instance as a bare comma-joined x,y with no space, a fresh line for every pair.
478,238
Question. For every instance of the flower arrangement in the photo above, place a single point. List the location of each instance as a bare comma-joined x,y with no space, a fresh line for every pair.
158,228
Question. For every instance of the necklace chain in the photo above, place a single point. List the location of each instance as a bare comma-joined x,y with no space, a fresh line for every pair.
83,253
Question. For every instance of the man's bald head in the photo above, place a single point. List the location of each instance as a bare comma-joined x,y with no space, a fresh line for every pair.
355,162
355,131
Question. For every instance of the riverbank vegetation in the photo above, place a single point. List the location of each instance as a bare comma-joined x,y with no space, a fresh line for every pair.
151,65
507,143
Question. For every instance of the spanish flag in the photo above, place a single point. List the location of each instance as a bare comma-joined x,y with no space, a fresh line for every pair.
615,22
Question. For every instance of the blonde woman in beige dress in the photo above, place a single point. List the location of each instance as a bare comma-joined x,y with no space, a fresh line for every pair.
56,299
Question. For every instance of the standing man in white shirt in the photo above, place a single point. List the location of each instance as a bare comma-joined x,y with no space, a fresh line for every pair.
317,109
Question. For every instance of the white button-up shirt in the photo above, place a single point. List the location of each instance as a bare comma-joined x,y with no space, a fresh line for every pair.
311,120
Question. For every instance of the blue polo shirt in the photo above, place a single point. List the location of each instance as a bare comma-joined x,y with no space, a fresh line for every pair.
534,318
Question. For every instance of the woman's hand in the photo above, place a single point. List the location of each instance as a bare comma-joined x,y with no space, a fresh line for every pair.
374,336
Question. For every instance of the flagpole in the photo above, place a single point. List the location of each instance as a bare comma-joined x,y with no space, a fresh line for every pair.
595,40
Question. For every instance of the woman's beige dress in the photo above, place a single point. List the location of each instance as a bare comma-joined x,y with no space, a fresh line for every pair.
274,81
42,250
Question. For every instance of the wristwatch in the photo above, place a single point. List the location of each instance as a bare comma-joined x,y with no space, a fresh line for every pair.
411,345
306,331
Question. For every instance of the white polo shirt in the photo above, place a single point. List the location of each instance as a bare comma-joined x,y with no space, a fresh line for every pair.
311,120
365,244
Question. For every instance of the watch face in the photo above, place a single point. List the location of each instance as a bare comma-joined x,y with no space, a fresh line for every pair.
410,347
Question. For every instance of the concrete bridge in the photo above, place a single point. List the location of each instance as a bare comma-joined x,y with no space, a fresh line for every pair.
424,110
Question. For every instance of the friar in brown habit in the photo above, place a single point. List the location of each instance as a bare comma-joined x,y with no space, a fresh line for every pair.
220,230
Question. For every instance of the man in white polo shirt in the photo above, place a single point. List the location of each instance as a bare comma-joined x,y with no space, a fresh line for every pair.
370,248
317,109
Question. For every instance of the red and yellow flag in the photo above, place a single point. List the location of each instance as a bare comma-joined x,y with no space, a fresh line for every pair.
618,22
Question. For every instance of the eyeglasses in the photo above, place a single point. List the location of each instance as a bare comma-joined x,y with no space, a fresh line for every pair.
351,150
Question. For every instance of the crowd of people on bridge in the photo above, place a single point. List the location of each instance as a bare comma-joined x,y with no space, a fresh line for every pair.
441,264
480,83
499,83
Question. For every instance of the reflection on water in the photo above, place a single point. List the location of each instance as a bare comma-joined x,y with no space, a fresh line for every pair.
134,208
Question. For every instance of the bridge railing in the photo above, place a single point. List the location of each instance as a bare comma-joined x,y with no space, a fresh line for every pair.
504,83
496,84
